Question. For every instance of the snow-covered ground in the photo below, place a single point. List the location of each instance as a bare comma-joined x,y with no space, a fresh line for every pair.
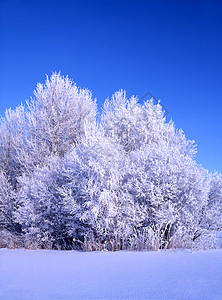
43,274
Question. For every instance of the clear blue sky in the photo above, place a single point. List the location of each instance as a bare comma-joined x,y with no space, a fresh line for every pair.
172,49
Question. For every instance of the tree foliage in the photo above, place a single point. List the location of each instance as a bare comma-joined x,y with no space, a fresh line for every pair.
127,182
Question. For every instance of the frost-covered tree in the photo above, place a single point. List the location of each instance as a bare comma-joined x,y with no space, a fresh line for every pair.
104,212
77,201
162,175
173,192
9,233
57,117
6,203
136,126
41,212
12,128
130,182
12,133
214,207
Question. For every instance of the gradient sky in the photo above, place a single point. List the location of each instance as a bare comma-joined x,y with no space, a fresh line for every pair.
172,49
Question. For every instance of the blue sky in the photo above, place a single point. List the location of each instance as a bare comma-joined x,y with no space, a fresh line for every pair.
172,49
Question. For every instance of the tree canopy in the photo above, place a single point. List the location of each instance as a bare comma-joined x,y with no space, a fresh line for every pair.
127,181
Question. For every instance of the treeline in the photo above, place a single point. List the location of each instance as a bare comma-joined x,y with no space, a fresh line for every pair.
70,179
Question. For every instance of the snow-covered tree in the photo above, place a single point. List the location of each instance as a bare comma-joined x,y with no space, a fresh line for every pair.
104,211
162,174
12,128
136,126
130,182
214,206
41,211
6,203
12,132
57,117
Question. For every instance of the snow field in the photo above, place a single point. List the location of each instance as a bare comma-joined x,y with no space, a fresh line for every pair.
47,274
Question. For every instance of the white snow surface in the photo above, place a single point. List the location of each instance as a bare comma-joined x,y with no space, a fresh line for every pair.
45,274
